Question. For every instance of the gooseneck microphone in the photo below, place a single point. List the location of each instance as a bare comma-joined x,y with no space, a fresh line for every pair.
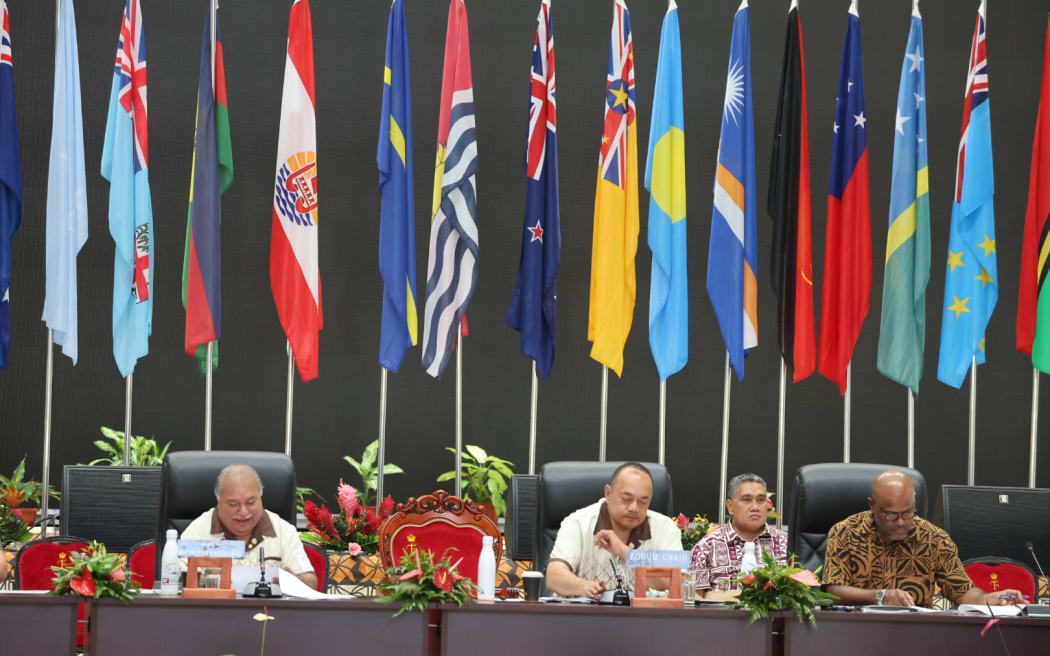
1031,550
1036,609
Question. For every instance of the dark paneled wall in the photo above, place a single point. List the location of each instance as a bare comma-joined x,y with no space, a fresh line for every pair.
338,413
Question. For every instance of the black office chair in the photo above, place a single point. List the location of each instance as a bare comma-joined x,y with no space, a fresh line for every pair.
825,494
564,487
187,486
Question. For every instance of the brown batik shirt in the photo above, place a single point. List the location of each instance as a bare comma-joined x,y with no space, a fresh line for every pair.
859,556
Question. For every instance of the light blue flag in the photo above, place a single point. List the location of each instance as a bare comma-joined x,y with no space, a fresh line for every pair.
125,163
971,286
67,228
665,180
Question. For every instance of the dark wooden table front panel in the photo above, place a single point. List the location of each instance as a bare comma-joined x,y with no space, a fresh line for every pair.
37,624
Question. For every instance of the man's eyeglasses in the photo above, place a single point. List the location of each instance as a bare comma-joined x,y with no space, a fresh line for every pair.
894,516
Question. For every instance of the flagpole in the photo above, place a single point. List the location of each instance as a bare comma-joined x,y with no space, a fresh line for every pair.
532,419
128,382
45,482
605,413
207,399
972,447
781,424
725,445
911,430
382,438
214,8
846,403
459,412
1035,427
663,420
288,403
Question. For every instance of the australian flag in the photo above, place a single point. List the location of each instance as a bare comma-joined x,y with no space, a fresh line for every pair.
533,310
10,180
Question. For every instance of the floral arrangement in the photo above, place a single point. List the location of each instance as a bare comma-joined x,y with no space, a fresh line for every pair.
419,580
352,529
94,573
12,528
774,587
692,533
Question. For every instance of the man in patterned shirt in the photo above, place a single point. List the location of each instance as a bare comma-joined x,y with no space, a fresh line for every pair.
887,555
716,557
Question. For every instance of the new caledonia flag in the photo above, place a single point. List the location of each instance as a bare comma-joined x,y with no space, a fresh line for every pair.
846,288
294,275
212,174
125,163
533,308
10,179
732,283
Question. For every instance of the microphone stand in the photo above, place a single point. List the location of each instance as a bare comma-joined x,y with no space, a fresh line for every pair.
1036,609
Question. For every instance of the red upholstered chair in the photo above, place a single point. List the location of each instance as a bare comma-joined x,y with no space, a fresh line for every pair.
33,569
319,560
142,561
436,522
990,573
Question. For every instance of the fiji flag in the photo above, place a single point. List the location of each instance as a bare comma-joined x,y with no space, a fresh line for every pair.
732,283
125,163
533,308
971,286
10,180
397,236
665,180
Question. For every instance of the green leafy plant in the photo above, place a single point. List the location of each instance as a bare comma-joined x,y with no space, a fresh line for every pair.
94,573
484,477
368,470
144,450
775,587
419,580
12,528
302,492
15,490
694,532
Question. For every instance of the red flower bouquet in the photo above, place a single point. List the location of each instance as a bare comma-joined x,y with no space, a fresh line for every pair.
94,573
352,529
419,580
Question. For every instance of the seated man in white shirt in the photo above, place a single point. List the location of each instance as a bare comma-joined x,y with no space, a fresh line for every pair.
591,539
239,515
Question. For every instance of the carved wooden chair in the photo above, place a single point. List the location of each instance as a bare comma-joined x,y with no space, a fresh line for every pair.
436,522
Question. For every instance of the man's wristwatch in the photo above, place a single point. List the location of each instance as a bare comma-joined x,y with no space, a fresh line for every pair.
879,596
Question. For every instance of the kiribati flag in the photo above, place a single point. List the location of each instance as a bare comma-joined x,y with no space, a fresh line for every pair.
533,308
10,179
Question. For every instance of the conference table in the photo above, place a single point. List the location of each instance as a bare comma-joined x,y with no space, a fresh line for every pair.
32,623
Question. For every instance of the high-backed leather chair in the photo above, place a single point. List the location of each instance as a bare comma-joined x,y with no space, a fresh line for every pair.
564,487
825,494
187,486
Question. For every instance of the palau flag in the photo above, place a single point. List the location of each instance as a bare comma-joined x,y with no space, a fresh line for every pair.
212,174
452,271
615,235
971,286
10,179
732,282
67,227
125,163
1033,302
902,332
846,288
397,232
665,180
789,205
533,309
295,279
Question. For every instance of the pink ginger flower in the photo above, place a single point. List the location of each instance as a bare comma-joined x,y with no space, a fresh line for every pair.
347,499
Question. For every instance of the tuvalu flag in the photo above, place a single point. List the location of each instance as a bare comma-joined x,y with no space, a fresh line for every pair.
10,179
294,276
452,269
615,235
846,288
533,308
125,163
971,285
732,282
1033,299
789,205
665,180
211,175
397,231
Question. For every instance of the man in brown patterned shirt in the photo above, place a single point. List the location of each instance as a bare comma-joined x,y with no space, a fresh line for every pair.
887,555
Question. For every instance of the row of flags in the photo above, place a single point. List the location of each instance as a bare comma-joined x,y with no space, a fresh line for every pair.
971,287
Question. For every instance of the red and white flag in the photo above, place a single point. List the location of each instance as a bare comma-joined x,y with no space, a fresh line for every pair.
294,276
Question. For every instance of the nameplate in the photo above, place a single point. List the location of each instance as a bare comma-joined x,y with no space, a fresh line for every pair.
654,558
211,548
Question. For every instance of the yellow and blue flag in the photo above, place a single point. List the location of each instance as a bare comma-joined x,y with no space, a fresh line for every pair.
902,333
732,282
665,180
397,232
971,286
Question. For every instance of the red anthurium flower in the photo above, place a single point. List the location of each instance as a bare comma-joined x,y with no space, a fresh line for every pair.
682,521
989,624
416,573
83,585
805,577
747,580
443,579
117,575
769,584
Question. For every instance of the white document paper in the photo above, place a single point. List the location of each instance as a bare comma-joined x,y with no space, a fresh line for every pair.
242,575
293,586
997,611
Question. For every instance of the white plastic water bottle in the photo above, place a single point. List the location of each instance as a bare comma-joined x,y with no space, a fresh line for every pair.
169,565
749,562
487,570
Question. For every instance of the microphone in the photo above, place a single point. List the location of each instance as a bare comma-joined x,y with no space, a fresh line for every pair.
620,596
1035,609
262,589
1031,550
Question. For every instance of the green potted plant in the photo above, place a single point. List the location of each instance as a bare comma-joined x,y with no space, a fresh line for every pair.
774,587
16,491
12,528
484,479
144,450
367,468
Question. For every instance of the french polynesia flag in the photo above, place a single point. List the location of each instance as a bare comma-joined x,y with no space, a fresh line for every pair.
847,248
294,275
